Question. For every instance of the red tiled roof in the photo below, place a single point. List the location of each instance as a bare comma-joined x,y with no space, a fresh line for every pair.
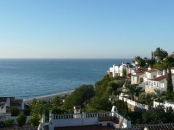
13,101
2,99
151,71
161,77
141,73
169,126
172,55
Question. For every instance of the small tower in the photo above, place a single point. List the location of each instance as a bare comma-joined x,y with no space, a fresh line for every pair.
149,68
77,113
8,102
113,72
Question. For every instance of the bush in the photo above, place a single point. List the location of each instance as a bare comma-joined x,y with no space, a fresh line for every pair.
21,119
79,96
8,122
34,121
141,80
14,111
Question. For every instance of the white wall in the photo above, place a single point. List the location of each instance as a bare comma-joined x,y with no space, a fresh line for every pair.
165,104
75,122
151,75
3,109
91,119
134,103
158,85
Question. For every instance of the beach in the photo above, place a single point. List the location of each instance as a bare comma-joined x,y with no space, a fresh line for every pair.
47,97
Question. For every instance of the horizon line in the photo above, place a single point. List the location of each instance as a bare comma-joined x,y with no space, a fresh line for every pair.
62,58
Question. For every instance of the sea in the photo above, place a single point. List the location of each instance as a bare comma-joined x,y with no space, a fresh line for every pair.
30,78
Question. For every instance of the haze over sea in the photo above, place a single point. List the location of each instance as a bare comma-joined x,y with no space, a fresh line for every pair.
28,78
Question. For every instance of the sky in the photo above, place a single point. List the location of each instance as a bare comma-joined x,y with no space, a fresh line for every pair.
85,28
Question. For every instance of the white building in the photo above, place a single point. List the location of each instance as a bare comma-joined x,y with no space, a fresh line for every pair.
6,103
152,73
159,84
172,70
118,70
137,75
111,119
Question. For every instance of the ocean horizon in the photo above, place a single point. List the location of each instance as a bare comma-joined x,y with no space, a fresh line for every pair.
28,78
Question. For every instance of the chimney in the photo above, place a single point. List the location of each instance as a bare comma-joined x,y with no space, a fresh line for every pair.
113,72
149,68
164,72
8,102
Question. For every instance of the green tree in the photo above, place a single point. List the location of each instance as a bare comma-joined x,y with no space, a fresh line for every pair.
159,66
147,98
158,115
124,72
99,104
133,90
109,90
140,61
151,116
21,119
169,115
79,96
34,121
27,110
122,107
160,54
14,111
169,61
115,85
8,122
169,81
37,108
100,86
56,102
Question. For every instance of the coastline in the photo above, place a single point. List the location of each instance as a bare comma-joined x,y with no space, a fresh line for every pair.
47,97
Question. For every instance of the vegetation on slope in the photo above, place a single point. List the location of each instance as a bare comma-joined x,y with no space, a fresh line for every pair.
96,98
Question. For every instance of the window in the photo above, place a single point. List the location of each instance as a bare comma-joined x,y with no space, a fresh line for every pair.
146,83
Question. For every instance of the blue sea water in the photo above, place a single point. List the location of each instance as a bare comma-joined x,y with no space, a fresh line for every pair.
28,78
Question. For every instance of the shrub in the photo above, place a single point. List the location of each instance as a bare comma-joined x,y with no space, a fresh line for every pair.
8,122
141,80
34,121
14,111
21,119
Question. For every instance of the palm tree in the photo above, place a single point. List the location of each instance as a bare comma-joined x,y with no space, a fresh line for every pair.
139,60
160,53
133,90
169,81
169,61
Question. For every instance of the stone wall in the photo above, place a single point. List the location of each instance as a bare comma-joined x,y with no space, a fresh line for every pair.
134,108
149,90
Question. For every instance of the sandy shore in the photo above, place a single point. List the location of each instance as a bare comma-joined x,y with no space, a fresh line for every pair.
47,97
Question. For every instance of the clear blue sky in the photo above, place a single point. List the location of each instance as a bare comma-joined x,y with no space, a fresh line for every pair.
85,28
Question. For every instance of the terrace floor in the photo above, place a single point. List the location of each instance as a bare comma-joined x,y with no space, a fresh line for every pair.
91,127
